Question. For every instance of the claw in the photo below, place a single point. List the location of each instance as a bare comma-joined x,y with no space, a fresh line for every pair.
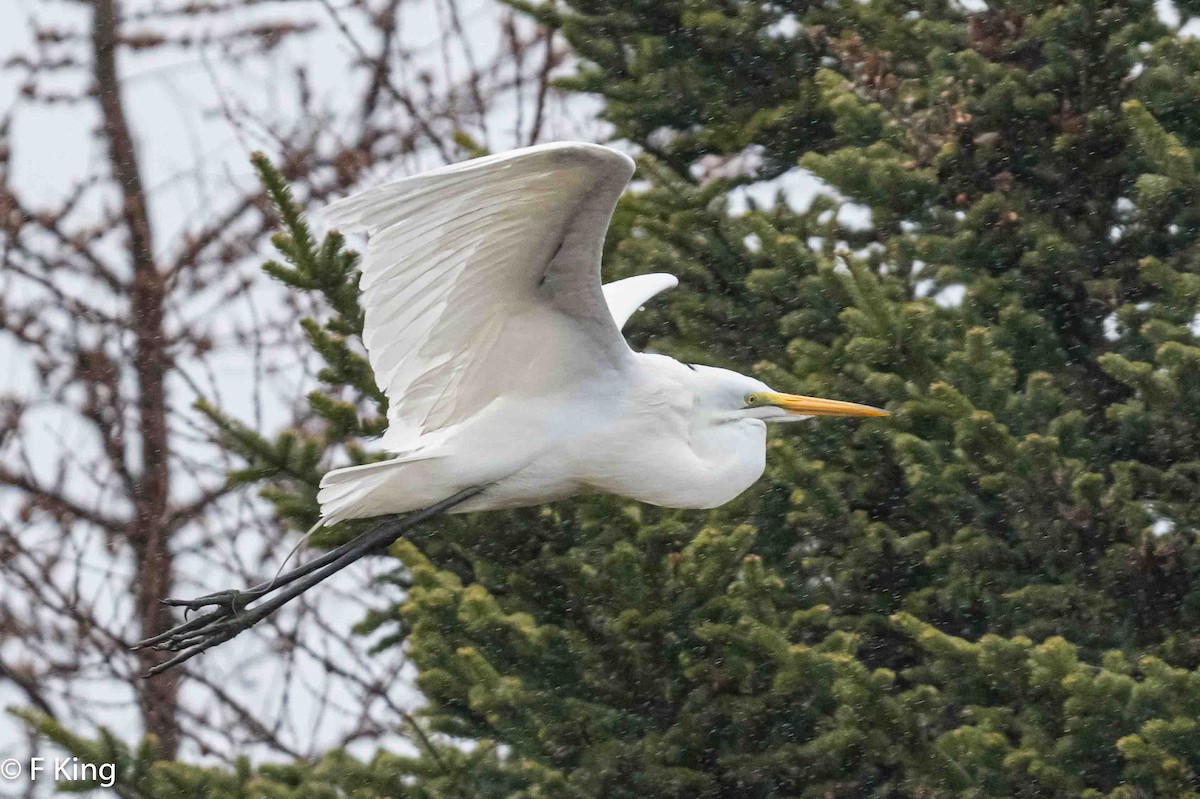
215,598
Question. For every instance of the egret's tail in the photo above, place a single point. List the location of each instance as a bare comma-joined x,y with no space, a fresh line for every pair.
375,489
344,492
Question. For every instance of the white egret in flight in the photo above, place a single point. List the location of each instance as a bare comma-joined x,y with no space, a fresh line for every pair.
508,379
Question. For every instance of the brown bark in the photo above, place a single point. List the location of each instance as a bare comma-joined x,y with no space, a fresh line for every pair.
148,533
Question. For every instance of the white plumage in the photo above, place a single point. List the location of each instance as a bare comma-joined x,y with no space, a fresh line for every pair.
502,356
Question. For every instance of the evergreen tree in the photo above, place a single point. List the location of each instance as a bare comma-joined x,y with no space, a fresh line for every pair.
996,592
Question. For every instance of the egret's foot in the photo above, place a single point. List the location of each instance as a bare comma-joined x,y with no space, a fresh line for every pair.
228,617
231,613
232,599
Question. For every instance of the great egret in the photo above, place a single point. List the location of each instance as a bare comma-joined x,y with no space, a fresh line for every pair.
508,378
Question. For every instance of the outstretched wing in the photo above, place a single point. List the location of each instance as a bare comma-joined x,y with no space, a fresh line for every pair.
483,279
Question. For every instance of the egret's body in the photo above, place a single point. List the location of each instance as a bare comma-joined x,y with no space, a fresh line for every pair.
645,437
508,379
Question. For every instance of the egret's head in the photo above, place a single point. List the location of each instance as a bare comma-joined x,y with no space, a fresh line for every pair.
735,396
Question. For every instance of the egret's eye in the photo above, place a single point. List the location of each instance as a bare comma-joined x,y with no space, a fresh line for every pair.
753,399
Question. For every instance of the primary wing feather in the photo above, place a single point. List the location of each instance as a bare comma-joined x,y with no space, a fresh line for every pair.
476,271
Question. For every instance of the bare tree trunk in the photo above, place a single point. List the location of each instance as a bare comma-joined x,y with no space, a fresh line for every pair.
148,534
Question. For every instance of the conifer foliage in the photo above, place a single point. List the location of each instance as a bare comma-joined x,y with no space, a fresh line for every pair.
996,592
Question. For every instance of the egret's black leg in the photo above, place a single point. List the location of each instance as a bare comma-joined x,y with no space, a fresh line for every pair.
231,613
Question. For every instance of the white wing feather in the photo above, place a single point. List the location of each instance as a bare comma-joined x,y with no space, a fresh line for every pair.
626,296
476,272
